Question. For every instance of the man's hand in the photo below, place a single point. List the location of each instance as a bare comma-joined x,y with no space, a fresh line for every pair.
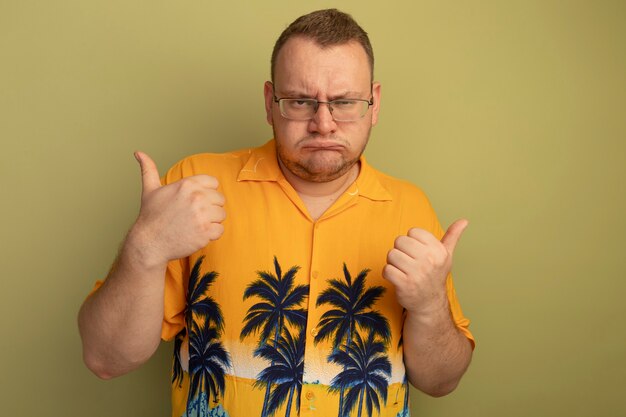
177,219
120,324
418,266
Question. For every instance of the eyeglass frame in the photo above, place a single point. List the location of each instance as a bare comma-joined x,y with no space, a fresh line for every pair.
369,102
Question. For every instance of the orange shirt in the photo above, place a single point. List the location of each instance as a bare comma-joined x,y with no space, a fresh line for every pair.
284,315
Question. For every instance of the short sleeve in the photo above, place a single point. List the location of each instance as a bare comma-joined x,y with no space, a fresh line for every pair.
174,300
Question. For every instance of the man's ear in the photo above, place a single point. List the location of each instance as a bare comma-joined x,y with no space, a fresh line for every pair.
376,105
268,93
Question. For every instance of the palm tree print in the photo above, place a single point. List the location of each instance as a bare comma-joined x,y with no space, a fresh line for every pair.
365,375
204,323
177,369
279,305
198,303
208,362
351,306
286,371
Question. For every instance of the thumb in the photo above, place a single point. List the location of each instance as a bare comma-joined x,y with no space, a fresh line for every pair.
453,234
150,180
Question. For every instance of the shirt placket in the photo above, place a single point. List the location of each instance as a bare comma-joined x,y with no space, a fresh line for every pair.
314,398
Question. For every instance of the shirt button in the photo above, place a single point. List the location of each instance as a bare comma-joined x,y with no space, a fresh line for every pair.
314,274
314,331
311,399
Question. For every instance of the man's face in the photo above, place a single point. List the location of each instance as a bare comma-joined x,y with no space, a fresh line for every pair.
321,149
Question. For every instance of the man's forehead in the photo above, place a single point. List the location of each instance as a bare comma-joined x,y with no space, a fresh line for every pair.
304,67
313,83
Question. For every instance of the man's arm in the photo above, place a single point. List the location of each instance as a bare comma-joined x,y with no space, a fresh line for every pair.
120,324
436,353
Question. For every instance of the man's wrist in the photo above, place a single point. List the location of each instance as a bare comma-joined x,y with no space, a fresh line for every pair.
436,314
140,250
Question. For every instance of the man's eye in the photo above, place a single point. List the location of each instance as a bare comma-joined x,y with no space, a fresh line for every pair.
344,103
302,103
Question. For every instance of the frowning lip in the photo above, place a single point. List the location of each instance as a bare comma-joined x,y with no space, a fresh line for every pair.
323,146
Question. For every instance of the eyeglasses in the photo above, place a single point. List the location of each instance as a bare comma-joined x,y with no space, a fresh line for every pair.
342,110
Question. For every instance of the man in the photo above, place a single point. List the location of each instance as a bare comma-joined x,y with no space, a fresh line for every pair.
310,298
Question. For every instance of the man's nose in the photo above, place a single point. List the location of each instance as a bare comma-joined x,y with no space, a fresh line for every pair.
322,121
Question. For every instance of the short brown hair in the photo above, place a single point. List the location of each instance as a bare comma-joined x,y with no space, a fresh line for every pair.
327,27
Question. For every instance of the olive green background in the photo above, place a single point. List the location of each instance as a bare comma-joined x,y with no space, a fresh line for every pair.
510,113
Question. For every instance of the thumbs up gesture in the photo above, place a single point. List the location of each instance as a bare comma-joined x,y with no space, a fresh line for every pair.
418,266
177,219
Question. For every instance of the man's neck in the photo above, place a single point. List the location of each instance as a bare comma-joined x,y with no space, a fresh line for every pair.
319,196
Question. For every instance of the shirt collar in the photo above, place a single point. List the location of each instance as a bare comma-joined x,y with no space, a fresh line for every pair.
262,165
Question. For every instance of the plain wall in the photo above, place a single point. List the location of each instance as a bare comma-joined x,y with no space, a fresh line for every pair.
510,113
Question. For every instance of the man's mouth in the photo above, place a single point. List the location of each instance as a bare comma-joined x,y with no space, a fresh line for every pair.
324,146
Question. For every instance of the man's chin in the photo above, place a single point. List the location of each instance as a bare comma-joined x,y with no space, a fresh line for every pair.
317,167
322,177
322,174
